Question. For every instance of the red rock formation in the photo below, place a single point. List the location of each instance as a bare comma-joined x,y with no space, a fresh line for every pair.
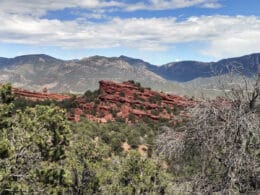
128,99
34,96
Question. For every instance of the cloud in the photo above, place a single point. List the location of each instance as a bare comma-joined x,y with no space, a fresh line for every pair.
212,5
224,35
234,44
41,7
173,4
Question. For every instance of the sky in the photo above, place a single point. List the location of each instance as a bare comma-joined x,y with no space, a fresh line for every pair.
157,31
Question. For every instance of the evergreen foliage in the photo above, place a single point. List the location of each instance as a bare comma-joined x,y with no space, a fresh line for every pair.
41,152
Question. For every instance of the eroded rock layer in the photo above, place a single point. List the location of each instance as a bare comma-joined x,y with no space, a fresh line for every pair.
130,102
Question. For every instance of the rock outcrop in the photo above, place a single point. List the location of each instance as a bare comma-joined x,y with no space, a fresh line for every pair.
125,102
130,102
36,96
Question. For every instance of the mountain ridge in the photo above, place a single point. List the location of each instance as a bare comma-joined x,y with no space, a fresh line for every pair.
257,54
37,71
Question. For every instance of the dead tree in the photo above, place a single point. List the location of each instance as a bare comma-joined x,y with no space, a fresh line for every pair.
222,141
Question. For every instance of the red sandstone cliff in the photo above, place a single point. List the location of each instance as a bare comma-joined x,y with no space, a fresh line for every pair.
34,96
126,101
130,102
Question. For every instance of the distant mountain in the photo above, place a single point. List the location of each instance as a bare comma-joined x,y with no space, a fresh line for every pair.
135,62
183,71
3,62
188,70
29,59
248,65
35,72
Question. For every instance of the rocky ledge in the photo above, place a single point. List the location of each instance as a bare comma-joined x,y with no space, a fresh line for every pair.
130,102
36,96
125,102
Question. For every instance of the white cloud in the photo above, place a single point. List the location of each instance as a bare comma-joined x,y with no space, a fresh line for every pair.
212,5
224,35
173,4
40,7
235,44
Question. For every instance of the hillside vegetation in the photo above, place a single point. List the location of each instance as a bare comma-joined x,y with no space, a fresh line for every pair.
215,150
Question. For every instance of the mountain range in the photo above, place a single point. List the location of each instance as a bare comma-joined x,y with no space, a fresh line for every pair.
35,72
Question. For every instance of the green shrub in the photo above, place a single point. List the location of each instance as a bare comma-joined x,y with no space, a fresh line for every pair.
120,119
122,94
113,112
155,112
6,95
136,96
131,117
155,99
90,96
5,149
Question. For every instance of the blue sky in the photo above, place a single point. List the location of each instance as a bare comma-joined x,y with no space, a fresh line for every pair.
158,31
